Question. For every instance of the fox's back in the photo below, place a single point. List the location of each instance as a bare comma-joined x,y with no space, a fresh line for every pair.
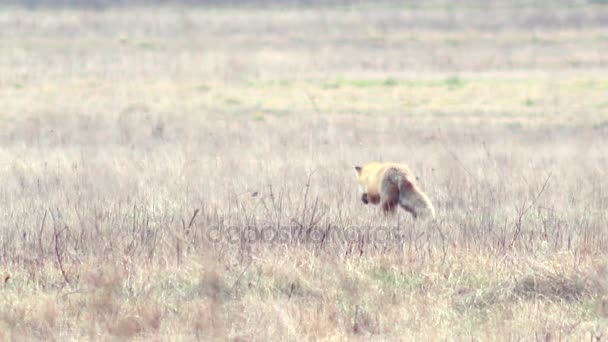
377,171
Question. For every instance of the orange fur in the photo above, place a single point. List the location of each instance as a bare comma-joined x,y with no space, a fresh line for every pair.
392,184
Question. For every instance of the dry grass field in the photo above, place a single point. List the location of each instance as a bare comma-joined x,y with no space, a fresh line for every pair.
185,172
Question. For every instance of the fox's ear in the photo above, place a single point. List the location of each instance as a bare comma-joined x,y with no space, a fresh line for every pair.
358,169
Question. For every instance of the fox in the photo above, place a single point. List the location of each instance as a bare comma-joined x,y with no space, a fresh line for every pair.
392,184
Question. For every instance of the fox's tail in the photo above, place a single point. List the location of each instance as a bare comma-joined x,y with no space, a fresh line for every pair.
414,200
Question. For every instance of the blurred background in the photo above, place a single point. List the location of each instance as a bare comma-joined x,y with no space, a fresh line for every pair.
500,59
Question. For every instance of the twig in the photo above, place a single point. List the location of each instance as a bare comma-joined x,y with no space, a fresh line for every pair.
40,247
73,292
193,217
524,209
240,276
179,237
305,207
58,255
443,244
57,248
539,193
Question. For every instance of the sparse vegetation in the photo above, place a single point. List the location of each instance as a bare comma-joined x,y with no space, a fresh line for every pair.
186,174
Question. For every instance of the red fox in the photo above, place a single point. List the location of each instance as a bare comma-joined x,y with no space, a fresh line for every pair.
391,184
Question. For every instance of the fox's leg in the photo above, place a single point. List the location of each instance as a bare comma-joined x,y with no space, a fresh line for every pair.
388,207
390,195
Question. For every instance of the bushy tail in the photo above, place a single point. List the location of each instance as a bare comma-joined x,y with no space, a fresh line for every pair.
415,201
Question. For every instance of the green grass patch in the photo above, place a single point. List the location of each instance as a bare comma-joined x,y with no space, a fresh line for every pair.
597,84
178,288
259,116
362,83
203,87
529,102
390,82
232,101
454,83
397,280
146,45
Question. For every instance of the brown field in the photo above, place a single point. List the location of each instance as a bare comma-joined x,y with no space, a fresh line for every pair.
185,173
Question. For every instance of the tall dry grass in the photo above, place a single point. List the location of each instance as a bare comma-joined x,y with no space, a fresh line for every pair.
152,189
